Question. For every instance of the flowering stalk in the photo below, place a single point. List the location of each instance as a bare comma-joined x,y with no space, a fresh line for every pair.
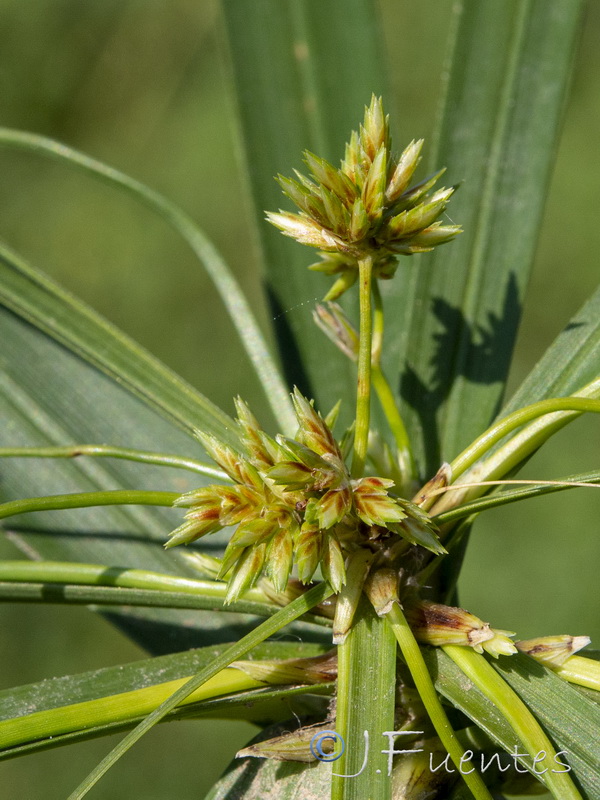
378,326
418,669
582,671
87,500
109,451
363,391
384,392
505,426
338,328
361,216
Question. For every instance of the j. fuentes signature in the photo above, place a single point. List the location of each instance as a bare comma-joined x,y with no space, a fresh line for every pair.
335,744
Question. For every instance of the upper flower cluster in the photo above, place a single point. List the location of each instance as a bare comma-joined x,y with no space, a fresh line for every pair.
367,206
293,501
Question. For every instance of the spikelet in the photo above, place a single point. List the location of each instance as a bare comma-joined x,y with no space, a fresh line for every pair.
437,624
366,206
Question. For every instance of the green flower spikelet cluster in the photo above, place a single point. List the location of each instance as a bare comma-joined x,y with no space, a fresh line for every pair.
293,502
366,207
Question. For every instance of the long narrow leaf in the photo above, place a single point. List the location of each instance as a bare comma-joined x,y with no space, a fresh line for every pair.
96,683
571,361
72,323
509,71
260,706
288,614
570,719
94,707
369,635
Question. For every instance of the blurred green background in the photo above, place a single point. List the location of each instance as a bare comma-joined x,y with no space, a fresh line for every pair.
141,85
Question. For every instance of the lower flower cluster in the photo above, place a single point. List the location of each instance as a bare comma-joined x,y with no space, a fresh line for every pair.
293,503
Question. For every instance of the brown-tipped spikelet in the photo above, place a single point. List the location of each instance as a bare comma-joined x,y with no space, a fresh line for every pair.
553,651
437,624
366,206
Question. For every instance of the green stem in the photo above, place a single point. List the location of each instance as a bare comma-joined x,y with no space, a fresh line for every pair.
363,392
365,701
101,575
268,628
387,400
226,284
582,671
511,454
378,325
116,708
125,497
485,503
67,594
496,432
522,721
83,584
418,669
108,451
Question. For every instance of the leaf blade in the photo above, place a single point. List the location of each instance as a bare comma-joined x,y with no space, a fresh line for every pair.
571,361
47,698
69,321
571,718
546,694
510,68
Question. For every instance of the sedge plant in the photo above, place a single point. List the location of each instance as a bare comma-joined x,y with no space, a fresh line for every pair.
331,532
